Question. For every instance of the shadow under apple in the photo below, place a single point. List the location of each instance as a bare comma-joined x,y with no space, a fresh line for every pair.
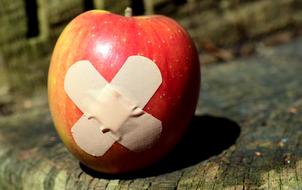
206,136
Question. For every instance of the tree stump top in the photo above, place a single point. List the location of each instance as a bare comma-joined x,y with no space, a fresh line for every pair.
246,134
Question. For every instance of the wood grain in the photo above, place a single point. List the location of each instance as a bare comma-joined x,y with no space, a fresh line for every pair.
246,135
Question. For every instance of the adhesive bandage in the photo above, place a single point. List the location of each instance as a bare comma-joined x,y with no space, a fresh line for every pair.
113,112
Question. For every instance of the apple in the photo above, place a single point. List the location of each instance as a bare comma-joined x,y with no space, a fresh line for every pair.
107,40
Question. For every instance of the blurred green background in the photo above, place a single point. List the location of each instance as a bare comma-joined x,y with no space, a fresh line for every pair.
222,30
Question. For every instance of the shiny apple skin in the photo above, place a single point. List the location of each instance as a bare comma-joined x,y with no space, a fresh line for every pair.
107,40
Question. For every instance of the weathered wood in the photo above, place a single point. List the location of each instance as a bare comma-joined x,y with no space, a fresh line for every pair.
246,135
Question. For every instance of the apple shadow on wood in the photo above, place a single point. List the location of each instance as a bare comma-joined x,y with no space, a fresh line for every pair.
207,136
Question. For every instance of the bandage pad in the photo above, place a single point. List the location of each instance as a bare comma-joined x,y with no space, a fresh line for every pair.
117,107
113,112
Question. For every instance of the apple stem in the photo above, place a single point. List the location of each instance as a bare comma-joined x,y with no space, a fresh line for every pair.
128,12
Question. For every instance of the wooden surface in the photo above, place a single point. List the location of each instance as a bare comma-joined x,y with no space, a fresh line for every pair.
246,135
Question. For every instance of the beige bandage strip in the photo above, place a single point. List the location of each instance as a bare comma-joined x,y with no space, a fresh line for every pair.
114,111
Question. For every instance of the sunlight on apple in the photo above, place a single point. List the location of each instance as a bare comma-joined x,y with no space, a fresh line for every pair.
103,49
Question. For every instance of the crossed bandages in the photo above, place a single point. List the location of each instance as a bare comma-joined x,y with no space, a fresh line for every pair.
113,112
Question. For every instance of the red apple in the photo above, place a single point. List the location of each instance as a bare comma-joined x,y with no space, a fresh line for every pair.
107,40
